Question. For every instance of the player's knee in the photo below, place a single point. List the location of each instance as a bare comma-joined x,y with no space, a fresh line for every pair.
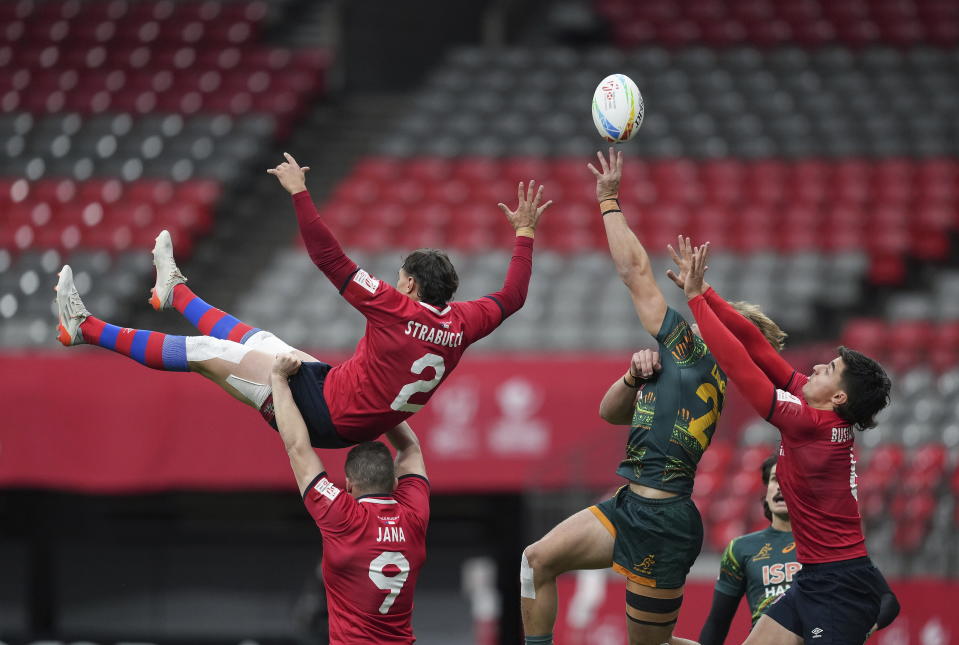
536,558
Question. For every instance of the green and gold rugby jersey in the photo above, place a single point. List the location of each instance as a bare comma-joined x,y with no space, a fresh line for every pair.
761,565
676,411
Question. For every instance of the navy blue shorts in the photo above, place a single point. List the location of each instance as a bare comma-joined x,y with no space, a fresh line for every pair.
835,603
307,388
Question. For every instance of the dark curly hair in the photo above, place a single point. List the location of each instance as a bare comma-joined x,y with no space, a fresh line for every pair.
867,389
435,276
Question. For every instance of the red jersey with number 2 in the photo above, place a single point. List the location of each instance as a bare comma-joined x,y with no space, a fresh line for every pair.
408,350
409,346
817,474
373,549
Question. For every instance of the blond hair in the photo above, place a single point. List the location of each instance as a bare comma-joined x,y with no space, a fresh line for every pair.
772,332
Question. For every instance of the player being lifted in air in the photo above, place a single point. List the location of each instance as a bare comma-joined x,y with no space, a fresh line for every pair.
837,595
415,336
650,531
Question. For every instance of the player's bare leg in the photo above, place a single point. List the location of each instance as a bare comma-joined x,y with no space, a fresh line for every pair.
578,542
170,291
242,372
646,623
768,632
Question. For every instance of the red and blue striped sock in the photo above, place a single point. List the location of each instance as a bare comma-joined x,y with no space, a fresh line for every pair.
208,319
151,348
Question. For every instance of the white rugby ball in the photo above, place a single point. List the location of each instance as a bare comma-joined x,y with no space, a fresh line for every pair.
617,108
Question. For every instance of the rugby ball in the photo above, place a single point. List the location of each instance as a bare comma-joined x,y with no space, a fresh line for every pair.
617,108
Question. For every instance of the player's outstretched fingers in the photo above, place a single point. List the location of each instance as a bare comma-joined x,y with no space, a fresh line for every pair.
503,207
673,255
538,196
675,278
542,209
602,161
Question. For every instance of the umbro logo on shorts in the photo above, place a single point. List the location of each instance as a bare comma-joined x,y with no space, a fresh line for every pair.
817,632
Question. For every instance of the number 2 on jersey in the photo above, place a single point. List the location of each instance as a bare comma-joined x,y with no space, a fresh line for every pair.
402,401
393,584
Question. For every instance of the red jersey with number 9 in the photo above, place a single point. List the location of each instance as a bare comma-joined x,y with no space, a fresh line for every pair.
373,549
409,347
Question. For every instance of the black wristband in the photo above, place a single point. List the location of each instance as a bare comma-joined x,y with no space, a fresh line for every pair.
639,382
611,210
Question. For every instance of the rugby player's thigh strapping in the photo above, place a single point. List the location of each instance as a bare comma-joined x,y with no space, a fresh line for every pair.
243,371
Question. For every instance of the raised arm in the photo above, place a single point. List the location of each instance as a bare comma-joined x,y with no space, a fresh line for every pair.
305,462
523,220
729,353
619,403
409,455
629,256
324,250
763,354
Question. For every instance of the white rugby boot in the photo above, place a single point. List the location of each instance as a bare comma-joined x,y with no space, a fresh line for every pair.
70,310
168,275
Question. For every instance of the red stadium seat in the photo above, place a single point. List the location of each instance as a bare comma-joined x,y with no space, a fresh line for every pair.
427,169
908,343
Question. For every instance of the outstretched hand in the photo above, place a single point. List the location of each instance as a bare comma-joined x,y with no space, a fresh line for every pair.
607,182
683,260
694,283
286,365
529,210
291,175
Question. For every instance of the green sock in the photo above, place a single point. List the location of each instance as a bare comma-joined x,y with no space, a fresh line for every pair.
545,639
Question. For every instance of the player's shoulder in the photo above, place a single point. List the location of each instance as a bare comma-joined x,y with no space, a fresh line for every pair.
412,480
676,337
749,543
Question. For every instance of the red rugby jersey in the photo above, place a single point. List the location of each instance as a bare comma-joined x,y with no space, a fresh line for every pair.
373,549
816,468
817,474
409,347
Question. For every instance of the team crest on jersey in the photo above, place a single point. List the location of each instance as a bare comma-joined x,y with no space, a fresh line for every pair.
366,281
326,488
764,552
